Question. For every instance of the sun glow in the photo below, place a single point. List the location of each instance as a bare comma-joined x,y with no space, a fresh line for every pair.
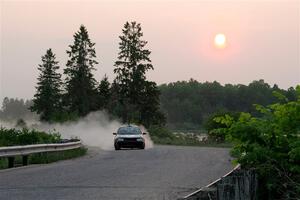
220,41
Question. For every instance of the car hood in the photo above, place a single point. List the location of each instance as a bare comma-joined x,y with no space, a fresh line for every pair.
129,136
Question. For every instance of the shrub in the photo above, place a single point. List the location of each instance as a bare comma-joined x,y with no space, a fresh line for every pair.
214,127
11,137
271,145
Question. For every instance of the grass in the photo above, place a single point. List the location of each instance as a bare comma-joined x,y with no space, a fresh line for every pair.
44,158
183,142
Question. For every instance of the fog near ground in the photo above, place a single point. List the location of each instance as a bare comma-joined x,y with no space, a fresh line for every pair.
96,129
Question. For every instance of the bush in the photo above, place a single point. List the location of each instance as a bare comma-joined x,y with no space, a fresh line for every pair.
271,145
11,137
213,127
161,135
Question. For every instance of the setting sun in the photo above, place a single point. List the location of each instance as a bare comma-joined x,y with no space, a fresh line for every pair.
220,40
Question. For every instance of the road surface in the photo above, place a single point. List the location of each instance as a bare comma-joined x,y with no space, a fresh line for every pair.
160,173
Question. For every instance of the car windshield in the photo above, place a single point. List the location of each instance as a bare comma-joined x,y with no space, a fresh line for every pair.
129,131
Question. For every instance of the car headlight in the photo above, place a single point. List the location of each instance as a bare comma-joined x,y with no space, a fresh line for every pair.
120,139
140,140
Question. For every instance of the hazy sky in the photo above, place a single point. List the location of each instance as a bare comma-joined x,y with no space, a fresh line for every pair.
263,39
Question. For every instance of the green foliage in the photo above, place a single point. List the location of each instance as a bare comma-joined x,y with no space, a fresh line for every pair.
12,137
47,99
160,133
80,85
271,144
104,93
150,113
214,125
64,116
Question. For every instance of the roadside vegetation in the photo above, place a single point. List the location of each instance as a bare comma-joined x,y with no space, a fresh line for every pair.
14,137
270,144
164,136
44,158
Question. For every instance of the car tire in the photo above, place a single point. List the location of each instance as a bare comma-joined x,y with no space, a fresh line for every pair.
117,147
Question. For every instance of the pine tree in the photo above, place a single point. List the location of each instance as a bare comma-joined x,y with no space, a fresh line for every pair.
81,91
130,69
104,93
47,100
150,106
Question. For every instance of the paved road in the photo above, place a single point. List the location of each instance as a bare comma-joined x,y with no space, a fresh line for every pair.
162,173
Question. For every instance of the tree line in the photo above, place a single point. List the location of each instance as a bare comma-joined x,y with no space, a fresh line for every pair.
186,104
130,97
190,104
14,109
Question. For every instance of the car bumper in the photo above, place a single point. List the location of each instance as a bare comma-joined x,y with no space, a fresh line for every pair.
130,144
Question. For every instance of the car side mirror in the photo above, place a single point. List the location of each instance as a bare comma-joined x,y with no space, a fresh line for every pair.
144,133
114,133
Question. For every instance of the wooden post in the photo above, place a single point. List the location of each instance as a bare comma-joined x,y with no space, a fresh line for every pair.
11,162
242,184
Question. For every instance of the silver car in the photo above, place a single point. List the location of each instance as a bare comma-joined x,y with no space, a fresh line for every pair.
129,137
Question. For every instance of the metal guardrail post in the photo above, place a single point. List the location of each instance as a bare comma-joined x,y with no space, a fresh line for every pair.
11,162
25,160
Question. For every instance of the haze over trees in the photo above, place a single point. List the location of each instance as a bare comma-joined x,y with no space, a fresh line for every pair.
131,97
189,104
261,121
13,109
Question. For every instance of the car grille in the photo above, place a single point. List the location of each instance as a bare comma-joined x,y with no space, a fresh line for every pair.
130,139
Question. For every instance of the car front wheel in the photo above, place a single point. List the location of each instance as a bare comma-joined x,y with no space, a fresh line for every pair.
117,147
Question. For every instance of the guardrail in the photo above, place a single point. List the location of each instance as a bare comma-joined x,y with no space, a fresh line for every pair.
196,194
24,151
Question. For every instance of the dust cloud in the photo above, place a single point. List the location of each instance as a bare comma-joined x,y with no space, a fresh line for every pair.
94,130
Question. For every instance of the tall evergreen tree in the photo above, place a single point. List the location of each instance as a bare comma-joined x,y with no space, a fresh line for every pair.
150,105
47,100
81,87
130,68
104,93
